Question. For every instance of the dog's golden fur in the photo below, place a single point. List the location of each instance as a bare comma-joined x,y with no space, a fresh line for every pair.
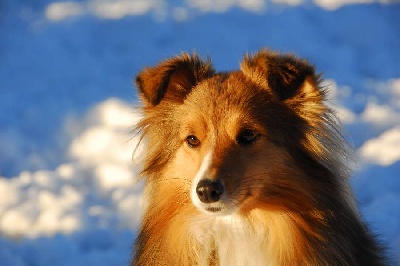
264,133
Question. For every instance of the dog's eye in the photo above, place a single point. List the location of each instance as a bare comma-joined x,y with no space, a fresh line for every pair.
192,141
247,137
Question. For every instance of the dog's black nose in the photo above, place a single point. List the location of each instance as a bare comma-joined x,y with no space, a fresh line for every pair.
209,191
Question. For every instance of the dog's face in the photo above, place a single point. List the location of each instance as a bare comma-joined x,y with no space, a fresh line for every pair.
224,140
225,154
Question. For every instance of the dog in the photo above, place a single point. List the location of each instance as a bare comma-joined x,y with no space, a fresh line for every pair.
246,167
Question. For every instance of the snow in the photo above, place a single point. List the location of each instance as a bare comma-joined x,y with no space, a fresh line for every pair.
106,9
63,10
69,194
380,114
383,150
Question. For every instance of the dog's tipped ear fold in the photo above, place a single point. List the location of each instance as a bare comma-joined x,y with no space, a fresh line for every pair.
172,79
285,75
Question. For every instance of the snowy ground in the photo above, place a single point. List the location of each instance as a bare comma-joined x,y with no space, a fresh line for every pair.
67,195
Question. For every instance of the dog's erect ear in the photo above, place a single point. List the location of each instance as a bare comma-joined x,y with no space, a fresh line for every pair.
172,79
285,75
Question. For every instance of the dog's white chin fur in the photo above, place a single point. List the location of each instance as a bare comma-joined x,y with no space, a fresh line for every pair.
236,241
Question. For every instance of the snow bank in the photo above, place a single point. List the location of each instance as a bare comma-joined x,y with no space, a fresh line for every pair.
63,10
383,150
335,4
86,211
105,9
117,9
224,5
382,115
95,189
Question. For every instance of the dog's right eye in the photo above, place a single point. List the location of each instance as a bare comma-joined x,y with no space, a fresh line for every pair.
192,141
247,137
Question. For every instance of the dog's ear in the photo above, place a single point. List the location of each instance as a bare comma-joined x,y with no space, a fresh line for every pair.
172,79
287,77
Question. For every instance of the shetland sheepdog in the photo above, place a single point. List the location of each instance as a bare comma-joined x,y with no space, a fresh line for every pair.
246,167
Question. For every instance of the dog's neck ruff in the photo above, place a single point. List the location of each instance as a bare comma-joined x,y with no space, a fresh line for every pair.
233,241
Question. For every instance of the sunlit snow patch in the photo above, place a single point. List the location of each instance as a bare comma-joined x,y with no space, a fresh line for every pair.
62,10
380,114
384,150
96,189
117,9
105,9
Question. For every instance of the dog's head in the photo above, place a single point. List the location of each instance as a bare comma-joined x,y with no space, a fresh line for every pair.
237,140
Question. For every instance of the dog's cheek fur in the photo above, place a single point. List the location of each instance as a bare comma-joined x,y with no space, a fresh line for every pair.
169,167
169,219
152,130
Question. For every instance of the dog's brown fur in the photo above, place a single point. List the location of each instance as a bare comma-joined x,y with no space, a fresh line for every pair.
288,189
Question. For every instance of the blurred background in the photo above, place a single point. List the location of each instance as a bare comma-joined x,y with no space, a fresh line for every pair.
67,107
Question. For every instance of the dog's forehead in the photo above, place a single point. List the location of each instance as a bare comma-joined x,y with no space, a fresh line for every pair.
230,90
226,100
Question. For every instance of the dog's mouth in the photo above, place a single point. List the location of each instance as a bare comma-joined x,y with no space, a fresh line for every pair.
220,210
214,209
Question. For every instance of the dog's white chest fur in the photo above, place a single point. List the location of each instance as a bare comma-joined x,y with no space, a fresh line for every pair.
235,241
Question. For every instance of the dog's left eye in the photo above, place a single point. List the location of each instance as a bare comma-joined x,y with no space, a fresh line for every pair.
192,141
247,137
